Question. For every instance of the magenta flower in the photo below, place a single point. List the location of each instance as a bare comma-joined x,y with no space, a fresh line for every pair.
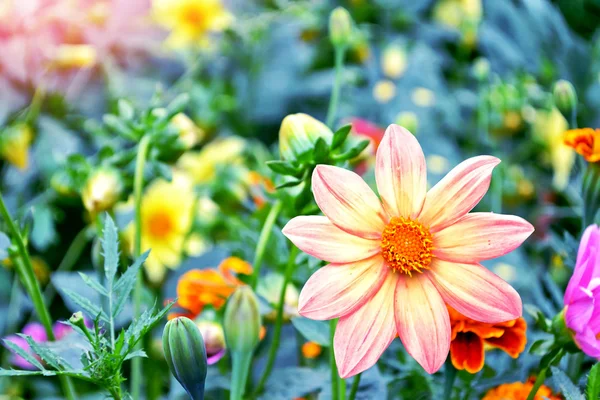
397,262
582,297
37,333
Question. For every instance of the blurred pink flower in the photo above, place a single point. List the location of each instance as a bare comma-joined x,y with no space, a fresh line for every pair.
397,261
582,297
37,333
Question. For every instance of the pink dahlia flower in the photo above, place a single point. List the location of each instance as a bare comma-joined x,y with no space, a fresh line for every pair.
397,261
582,297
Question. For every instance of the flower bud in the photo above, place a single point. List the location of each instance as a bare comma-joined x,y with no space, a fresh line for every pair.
299,133
340,27
214,340
565,97
102,190
190,134
14,144
242,321
186,355
77,319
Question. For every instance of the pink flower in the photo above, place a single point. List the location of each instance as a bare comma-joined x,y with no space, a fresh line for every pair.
37,333
397,262
582,297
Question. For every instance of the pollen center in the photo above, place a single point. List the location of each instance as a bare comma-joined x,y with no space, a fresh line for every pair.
406,245
160,225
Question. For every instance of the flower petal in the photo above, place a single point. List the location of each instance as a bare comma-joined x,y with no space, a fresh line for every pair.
401,173
513,340
362,336
458,192
338,289
317,236
481,236
475,292
348,202
587,265
422,321
467,352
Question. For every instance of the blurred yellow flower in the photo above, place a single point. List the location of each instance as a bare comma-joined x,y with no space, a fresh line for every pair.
191,21
167,216
384,91
190,134
550,127
438,164
394,61
408,120
202,165
14,145
74,56
102,190
423,97
462,15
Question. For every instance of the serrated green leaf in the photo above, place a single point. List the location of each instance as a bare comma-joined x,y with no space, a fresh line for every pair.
339,137
86,305
142,325
93,284
567,388
15,372
314,331
47,355
125,284
24,354
353,152
137,353
593,383
283,168
110,249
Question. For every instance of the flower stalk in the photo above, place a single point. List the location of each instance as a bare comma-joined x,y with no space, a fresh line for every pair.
27,275
332,365
340,52
263,240
138,186
355,385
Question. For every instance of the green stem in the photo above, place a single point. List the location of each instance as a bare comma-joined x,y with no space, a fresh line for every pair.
539,380
355,385
263,240
239,374
25,271
337,84
138,185
342,385
332,365
289,270
574,362
450,377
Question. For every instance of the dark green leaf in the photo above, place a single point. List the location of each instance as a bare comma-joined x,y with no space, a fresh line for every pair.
314,331
110,249
339,137
353,152
283,168
288,184
567,388
321,151
541,346
86,305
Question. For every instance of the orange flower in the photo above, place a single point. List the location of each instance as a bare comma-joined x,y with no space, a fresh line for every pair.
585,141
198,288
311,350
519,391
471,338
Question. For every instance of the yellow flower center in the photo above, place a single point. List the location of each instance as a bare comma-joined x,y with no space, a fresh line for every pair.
406,245
160,224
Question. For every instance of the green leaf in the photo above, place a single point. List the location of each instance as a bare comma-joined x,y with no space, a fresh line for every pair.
137,353
23,353
288,184
321,151
125,284
15,372
118,126
541,346
552,358
283,168
126,110
110,249
593,382
568,389
178,104
339,137
353,152
86,305
315,331
49,357
93,284
4,245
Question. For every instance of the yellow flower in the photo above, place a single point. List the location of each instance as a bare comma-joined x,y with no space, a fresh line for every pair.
384,91
394,61
190,134
191,21
14,145
202,165
74,56
550,127
167,209
423,97
461,15
102,190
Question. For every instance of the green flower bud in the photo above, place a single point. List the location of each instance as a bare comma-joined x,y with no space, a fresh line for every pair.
63,184
299,133
186,356
102,190
77,319
340,27
565,97
242,321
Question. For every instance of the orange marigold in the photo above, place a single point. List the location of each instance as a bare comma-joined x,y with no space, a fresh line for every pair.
471,338
585,141
199,288
520,391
